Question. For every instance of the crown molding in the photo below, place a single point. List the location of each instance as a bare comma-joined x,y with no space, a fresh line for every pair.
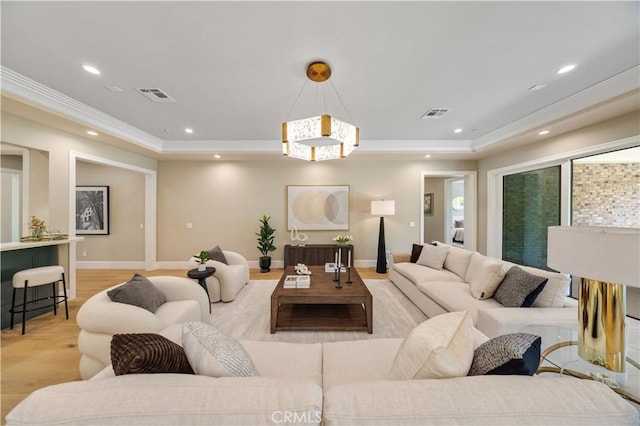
607,89
39,95
271,146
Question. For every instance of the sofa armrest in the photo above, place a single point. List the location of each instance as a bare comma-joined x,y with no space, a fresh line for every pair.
498,321
234,258
178,288
399,258
100,314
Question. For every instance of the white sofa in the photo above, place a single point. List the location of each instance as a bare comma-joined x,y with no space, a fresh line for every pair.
440,291
340,383
228,279
99,318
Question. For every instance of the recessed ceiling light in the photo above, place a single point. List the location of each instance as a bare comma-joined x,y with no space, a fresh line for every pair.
566,69
188,130
427,156
543,132
216,156
457,131
92,133
91,69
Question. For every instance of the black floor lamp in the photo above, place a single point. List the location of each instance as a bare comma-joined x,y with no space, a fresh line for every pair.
382,208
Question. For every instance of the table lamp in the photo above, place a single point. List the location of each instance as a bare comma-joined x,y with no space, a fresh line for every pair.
606,260
382,208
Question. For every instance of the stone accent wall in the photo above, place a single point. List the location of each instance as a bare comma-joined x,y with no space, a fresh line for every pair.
606,194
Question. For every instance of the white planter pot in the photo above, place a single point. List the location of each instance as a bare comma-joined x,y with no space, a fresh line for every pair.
202,267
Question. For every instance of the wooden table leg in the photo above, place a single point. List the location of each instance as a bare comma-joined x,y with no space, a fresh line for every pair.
274,313
368,307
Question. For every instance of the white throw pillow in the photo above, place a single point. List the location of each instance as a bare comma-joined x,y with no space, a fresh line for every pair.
212,353
457,260
433,256
439,348
487,278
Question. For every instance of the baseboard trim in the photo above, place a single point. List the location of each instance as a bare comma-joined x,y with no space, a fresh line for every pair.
278,264
109,265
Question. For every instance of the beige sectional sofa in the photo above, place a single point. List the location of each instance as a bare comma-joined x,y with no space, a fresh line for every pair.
339,383
437,291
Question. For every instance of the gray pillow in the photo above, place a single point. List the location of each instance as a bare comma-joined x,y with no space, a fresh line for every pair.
140,292
519,288
216,253
458,223
509,354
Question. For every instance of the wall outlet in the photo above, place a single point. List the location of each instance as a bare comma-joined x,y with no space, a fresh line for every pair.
412,224
142,226
189,225
84,253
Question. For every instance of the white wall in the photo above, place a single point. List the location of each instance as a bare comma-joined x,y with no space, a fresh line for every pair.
224,200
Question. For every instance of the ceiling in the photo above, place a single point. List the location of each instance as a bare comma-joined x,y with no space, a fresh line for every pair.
235,70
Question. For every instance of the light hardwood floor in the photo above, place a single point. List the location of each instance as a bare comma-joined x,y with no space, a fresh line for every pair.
47,354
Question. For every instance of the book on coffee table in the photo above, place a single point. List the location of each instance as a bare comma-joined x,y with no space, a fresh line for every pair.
297,281
331,267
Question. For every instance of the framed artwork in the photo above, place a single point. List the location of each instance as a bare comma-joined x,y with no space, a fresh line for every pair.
92,210
318,207
428,203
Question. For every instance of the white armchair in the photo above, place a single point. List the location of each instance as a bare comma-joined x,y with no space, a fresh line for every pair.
99,318
228,279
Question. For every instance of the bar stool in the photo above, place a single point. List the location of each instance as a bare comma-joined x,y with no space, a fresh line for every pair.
36,277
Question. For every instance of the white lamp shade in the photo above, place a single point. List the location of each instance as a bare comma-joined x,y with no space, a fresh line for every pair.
383,208
599,253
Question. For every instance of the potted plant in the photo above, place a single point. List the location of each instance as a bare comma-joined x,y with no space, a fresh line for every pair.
265,243
202,258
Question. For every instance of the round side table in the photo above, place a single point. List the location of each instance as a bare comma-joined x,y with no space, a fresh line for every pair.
201,276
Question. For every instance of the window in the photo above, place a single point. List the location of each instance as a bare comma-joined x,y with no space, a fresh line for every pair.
605,191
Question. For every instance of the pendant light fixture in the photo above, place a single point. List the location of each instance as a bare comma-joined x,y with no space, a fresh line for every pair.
322,137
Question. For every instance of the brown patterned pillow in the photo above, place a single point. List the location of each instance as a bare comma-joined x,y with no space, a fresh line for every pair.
147,353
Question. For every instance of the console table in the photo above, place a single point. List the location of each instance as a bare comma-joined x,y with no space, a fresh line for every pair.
315,254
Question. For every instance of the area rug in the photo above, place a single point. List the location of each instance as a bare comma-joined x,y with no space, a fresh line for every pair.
248,316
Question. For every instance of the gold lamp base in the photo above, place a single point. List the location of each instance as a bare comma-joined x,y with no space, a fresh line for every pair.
601,331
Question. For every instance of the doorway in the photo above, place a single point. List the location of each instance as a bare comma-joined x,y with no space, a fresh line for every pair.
447,197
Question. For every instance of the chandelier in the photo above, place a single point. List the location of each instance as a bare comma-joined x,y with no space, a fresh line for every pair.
322,137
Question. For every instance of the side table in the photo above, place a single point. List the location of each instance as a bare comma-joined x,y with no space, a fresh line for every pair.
560,355
202,276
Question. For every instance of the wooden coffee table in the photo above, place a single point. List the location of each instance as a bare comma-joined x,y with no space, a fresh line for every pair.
322,307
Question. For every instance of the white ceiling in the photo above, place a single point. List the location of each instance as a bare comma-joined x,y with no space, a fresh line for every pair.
236,68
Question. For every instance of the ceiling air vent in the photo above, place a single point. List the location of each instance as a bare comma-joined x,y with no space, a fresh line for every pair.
434,113
154,94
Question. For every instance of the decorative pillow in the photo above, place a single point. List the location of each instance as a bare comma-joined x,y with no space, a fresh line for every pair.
458,223
216,253
433,256
147,353
457,260
519,288
140,292
439,348
516,354
415,252
212,353
487,279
